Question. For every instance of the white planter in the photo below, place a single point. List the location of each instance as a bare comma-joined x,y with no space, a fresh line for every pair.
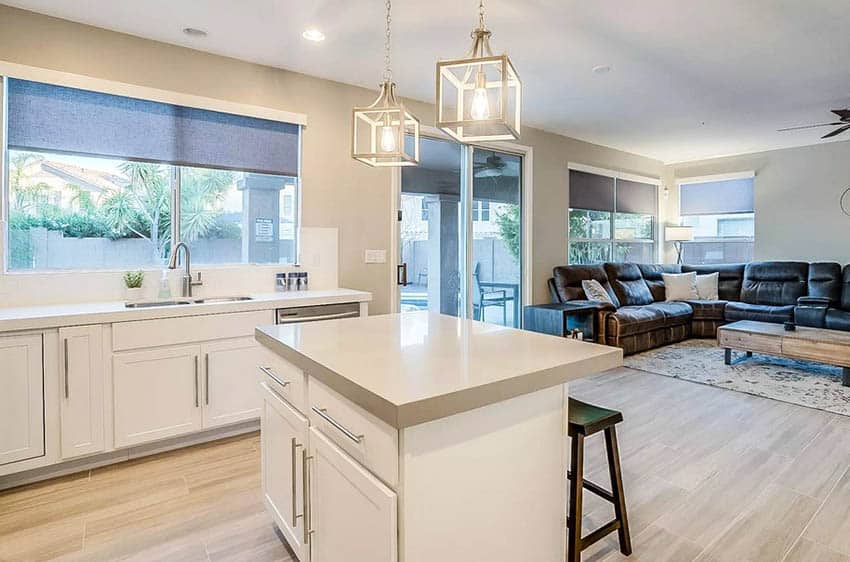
133,295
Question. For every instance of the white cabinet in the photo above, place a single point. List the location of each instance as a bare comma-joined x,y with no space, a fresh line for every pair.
283,446
157,394
231,377
21,398
81,390
351,515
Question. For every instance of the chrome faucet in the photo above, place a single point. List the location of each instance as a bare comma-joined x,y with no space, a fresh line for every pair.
186,281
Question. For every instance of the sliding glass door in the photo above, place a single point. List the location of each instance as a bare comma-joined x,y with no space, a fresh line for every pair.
460,233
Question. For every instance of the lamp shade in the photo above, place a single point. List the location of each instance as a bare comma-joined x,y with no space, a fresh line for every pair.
679,233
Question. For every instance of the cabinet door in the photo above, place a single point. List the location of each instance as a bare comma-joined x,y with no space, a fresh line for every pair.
231,381
283,437
351,515
157,394
21,398
81,390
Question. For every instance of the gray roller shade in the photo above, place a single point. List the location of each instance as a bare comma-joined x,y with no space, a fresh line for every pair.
48,118
591,192
717,197
636,197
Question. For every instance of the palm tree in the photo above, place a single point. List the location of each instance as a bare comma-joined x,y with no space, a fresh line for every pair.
25,196
201,192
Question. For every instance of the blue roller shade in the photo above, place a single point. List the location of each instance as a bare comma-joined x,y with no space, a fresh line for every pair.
717,197
48,118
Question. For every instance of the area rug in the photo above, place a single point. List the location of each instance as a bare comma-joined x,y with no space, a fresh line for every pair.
805,383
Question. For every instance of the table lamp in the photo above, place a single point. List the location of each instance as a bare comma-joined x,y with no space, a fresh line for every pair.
677,235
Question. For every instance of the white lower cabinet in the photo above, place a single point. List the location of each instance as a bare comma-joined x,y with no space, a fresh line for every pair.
21,398
351,515
230,381
284,452
157,394
81,390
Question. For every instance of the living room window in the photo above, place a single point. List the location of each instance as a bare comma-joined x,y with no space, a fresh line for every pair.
721,212
611,219
100,181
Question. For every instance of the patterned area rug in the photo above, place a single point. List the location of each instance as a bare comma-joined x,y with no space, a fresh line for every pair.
813,385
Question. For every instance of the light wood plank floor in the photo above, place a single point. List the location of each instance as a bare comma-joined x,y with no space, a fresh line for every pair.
710,475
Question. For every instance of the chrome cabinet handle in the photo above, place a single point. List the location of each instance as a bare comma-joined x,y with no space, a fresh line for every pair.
271,375
207,379
197,400
323,413
294,447
67,365
308,509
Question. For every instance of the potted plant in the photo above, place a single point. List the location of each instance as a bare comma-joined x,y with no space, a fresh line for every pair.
133,281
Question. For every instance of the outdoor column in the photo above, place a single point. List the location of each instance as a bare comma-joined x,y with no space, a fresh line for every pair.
443,274
261,217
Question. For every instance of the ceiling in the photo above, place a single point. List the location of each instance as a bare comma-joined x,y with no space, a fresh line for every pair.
690,79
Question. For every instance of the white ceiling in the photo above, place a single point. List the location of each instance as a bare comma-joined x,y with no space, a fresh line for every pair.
691,78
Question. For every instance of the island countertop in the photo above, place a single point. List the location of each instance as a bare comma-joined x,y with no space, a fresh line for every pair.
412,368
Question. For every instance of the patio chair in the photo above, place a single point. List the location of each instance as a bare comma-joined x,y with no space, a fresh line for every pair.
482,297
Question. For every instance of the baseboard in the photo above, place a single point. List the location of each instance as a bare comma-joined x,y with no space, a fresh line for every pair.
113,457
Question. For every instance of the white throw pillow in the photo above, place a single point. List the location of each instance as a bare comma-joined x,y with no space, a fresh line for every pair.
680,286
594,291
707,286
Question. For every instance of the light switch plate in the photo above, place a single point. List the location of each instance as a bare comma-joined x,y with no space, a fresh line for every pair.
375,256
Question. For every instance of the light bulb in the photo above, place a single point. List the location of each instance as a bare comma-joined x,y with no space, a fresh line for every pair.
480,108
387,139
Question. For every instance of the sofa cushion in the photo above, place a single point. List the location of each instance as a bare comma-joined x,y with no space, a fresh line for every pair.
635,320
567,281
838,319
774,283
708,310
628,284
652,276
845,289
825,281
674,312
731,278
681,286
761,312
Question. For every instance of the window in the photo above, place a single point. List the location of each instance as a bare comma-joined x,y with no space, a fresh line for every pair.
723,220
424,209
611,219
481,211
101,181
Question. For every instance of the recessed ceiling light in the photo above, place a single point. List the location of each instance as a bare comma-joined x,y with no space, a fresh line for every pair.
602,69
194,32
313,34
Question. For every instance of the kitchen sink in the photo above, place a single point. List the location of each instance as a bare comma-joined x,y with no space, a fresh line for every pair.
173,302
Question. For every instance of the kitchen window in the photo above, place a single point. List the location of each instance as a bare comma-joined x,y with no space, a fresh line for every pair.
611,219
721,212
100,181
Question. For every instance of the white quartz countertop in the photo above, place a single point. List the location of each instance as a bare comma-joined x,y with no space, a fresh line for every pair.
412,368
53,316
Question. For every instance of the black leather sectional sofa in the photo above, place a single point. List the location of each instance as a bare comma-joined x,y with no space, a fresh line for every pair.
811,294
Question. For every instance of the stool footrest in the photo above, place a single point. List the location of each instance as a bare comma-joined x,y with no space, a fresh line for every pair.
595,488
600,533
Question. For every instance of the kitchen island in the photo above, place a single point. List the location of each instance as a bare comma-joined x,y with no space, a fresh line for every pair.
419,437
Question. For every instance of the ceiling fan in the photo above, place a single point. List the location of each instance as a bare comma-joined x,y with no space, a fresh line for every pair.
490,168
843,124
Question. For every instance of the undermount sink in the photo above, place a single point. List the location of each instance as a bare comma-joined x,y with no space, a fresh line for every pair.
173,302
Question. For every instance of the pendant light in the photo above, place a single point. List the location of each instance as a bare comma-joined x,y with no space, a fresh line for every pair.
385,133
479,97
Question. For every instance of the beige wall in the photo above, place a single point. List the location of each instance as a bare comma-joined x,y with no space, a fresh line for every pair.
337,191
797,193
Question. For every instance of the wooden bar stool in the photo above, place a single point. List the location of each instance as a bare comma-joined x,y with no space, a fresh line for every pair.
585,420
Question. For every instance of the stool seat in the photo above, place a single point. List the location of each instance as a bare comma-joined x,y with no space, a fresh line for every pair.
587,419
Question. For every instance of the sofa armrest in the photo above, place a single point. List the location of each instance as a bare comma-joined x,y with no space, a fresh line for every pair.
812,315
814,301
597,304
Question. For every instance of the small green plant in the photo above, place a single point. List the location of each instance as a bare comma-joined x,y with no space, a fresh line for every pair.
134,279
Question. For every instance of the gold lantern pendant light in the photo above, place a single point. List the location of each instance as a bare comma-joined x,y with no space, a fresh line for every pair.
479,97
385,133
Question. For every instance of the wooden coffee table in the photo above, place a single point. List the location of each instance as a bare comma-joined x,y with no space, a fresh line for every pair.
812,344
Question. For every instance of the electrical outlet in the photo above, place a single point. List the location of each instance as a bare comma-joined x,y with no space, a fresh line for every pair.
375,256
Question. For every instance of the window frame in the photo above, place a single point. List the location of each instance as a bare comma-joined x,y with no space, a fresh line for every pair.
15,71
612,239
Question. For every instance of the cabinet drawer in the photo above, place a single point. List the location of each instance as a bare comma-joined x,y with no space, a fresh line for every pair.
824,352
750,342
367,439
187,329
284,378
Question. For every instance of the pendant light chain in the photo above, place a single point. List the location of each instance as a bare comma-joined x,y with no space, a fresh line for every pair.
388,73
481,14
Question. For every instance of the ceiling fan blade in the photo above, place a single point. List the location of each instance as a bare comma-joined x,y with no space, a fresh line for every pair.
843,113
810,126
836,132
